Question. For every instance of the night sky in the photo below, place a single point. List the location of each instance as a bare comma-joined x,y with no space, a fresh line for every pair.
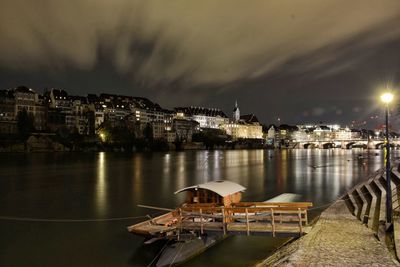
299,60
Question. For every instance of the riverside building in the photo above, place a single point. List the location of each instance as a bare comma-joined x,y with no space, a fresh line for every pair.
243,127
206,117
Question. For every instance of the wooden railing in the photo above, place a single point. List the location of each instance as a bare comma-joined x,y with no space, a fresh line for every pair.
248,217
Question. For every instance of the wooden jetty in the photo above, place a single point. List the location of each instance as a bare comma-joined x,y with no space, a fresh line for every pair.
250,218
216,207
211,212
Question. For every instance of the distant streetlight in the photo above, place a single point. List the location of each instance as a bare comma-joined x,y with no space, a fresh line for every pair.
387,98
102,137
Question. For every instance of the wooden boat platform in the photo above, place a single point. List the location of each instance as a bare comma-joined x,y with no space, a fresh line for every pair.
243,218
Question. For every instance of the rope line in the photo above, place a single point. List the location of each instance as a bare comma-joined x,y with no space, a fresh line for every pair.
159,253
25,219
176,255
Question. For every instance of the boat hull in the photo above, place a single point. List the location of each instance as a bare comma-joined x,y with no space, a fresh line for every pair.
180,252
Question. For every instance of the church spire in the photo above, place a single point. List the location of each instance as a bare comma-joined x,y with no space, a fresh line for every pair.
236,113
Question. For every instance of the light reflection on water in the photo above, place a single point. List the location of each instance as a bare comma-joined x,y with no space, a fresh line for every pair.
112,185
137,178
101,186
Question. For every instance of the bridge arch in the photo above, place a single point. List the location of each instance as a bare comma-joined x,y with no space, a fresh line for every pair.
382,144
309,145
350,145
328,145
379,145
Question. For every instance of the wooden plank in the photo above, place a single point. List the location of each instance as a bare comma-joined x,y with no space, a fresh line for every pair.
262,210
201,222
254,228
300,223
260,217
247,223
265,210
196,207
262,228
179,222
266,217
189,224
306,218
274,204
273,222
223,221
205,215
250,209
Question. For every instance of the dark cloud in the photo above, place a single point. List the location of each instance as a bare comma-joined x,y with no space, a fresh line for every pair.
278,58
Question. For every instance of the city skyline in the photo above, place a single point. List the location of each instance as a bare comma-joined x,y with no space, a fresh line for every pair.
274,55
273,121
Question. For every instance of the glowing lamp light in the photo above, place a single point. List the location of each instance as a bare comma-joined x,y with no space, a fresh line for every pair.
103,137
387,98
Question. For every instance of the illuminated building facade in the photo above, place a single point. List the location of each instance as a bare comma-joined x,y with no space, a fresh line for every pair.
206,117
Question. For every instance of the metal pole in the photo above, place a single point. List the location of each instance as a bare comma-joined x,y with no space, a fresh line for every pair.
388,185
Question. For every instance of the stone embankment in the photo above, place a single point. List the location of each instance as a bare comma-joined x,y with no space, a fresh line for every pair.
337,239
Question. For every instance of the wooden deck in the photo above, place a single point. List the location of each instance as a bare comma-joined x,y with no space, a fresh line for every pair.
249,218
159,226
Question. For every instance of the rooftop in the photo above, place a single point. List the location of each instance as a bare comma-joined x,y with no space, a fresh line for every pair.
59,93
24,89
249,118
222,188
212,112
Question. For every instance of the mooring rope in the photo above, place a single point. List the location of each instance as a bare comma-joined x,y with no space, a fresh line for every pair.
26,219
29,219
176,255
159,253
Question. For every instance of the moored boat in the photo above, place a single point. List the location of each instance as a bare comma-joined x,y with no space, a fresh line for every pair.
214,210
211,194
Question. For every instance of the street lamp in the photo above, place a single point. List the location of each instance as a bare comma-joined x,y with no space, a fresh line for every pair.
102,137
387,98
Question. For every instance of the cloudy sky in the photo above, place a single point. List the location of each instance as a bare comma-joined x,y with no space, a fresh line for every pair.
299,60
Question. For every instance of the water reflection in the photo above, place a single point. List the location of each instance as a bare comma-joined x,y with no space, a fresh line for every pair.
181,174
137,177
101,185
112,185
166,171
282,171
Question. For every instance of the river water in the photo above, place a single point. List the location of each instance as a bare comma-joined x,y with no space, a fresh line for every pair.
110,185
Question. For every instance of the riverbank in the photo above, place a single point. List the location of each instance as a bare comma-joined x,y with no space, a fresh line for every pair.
53,143
337,239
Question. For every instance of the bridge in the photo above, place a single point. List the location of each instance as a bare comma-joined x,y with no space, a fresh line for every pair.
344,144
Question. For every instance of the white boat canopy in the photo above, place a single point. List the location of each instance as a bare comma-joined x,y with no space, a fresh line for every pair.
222,188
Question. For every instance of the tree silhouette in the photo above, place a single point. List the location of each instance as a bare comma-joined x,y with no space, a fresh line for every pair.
25,124
148,132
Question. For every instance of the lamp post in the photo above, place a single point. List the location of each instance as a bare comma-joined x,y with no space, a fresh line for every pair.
387,98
